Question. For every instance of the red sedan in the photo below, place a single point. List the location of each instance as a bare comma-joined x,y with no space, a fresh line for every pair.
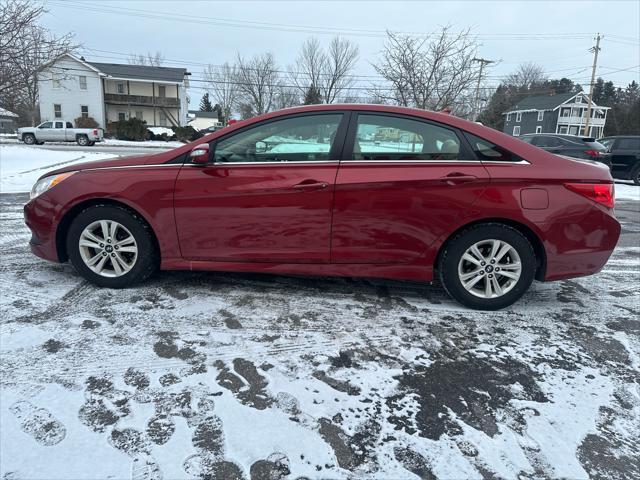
351,190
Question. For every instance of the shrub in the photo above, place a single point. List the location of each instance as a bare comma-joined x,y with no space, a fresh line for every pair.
85,122
132,129
185,134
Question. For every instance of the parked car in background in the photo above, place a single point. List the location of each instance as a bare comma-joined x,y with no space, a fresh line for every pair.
59,131
310,191
624,152
569,145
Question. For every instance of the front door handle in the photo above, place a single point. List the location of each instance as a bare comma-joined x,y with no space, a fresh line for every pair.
457,178
311,185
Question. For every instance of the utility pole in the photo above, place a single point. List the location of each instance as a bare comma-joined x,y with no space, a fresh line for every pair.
595,51
476,103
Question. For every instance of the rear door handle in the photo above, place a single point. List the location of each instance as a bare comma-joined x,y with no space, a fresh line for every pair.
458,178
311,185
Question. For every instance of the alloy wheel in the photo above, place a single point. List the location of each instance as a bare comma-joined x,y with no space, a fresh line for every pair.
489,268
108,248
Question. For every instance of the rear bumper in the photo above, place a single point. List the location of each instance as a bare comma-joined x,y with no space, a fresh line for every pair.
39,215
580,248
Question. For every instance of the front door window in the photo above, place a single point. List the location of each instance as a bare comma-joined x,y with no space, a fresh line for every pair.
297,139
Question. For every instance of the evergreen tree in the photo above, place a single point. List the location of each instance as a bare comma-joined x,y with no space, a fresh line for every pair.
205,104
313,96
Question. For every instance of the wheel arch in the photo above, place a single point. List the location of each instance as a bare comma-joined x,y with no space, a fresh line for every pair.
73,212
536,242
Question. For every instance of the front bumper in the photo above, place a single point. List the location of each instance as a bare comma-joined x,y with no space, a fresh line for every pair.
39,215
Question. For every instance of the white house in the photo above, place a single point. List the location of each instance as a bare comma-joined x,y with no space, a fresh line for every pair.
72,87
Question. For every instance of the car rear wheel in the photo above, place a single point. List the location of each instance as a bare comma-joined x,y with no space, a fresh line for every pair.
29,138
487,266
111,246
635,175
82,140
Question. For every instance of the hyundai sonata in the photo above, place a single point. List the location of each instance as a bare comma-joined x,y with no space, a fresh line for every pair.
349,190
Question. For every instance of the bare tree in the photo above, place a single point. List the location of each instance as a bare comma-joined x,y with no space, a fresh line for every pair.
150,59
433,72
26,49
310,66
286,96
341,59
258,83
329,72
527,75
221,81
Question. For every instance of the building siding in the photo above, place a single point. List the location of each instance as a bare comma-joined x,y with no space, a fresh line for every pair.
69,95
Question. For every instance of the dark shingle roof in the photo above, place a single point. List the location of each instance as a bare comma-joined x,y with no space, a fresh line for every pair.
142,72
542,102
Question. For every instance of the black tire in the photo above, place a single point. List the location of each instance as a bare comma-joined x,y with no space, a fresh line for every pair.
82,140
29,138
635,174
147,260
457,246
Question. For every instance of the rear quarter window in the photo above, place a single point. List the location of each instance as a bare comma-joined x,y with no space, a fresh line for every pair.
488,151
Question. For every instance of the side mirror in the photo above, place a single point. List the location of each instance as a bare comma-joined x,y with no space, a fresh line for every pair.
199,154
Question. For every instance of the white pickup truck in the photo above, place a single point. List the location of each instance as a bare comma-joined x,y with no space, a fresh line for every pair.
59,131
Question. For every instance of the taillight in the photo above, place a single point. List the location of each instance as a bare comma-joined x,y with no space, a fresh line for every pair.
602,193
95,131
592,153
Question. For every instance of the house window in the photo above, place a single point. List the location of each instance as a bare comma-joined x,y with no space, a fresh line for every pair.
516,131
57,110
508,117
565,112
518,116
57,80
540,115
139,114
538,129
83,82
162,91
120,88
84,111
579,99
563,129
122,116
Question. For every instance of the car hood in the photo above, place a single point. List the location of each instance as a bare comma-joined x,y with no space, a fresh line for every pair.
111,163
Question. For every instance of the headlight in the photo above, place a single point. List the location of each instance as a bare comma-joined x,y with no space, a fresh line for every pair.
46,183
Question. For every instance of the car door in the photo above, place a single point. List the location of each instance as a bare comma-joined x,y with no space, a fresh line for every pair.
57,132
625,155
266,194
45,131
402,184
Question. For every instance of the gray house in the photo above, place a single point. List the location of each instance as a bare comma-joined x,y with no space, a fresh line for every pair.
563,113
8,121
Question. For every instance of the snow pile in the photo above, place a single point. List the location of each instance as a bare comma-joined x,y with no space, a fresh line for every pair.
161,130
627,191
21,166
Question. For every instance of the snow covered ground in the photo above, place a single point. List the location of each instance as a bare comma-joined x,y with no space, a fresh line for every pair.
217,375
111,142
21,165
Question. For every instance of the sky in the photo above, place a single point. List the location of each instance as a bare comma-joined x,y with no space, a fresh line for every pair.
554,34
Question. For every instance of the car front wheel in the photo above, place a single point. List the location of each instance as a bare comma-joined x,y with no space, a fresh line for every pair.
487,266
111,246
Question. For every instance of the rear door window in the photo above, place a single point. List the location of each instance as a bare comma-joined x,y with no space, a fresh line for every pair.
394,138
628,144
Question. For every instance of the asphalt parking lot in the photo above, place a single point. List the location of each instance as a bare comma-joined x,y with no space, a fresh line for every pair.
216,375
